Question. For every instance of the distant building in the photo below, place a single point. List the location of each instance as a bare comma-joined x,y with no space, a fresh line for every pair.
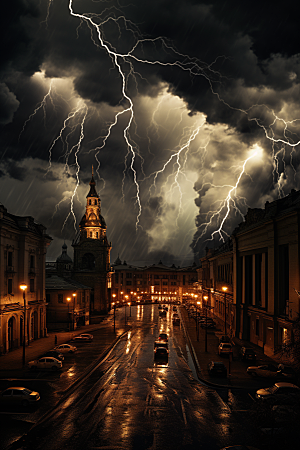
152,283
92,254
68,301
23,247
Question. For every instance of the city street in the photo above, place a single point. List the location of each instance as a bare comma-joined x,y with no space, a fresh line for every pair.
127,401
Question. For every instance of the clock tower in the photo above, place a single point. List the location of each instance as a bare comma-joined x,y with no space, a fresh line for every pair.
92,252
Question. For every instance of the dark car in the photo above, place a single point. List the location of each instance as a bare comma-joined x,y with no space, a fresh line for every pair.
161,354
286,373
19,396
163,337
161,344
54,354
247,354
217,368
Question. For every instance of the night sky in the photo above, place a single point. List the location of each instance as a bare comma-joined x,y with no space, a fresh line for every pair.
188,111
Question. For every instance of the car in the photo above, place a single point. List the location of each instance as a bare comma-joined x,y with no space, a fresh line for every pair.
83,337
225,349
176,321
54,354
279,393
247,354
217,368
161,344
286,373
19,396
266,371
66,348
224,338
48,363
163,337
161,354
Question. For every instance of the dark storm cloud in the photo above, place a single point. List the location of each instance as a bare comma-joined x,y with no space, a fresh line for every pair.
246,53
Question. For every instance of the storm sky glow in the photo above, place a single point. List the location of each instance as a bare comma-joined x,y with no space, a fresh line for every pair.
170,101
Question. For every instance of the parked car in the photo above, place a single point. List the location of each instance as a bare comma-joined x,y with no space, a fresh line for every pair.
161,354
247,354
265,371
54,354
66,348
224,338
163,337
286,373
48,363
83,337
217,368
225,348
280,393
19,396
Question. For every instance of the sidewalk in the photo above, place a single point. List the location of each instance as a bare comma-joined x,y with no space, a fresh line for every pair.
11,363
239,377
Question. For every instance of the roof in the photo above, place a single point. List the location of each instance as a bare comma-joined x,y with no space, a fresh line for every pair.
55,282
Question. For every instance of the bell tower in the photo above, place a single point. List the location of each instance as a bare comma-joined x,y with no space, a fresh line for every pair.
92,252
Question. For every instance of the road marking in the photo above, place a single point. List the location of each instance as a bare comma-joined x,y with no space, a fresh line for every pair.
183,412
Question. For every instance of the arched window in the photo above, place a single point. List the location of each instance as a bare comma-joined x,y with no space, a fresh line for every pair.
97,234
95,202
91,234
90,202
88,261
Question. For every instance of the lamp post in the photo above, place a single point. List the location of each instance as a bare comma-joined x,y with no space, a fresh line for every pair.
126,297
114,306
73,321
68,300
205,298
129,304
23,286
224,289
198,303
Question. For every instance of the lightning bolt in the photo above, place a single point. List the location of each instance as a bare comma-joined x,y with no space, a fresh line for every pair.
224,205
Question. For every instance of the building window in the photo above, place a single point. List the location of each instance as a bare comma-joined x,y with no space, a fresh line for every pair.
165,283
128,283
9,259
91,234
9,286
97,234
90,202
156,276
32,265
60,298
48,298
31,281
128,275
95,202
116,278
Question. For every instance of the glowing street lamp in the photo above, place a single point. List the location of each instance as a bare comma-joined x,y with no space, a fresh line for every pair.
224,289
129,304
68,300
205,298
23,287
198,303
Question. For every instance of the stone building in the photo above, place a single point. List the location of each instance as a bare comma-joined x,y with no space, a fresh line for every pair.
266,263
91,265
157,282
216,283
23,246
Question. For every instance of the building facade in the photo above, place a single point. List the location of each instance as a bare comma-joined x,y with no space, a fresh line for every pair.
23,246
152,283
91,265
267,272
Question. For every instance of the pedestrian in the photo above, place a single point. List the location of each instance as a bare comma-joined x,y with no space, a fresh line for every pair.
55,340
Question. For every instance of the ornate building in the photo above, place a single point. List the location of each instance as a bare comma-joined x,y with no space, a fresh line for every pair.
23,246
92,253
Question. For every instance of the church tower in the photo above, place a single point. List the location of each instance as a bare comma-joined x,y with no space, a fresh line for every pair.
92,252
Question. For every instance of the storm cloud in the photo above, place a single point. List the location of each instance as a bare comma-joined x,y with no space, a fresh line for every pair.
211,85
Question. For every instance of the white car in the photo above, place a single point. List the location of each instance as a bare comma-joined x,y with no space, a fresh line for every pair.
225,348
83,337
280,393
47,363
66,348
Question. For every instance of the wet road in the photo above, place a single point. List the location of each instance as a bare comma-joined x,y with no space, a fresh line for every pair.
129,402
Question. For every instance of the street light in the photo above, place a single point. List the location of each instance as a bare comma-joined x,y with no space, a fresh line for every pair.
126,296
224,289
198,303
73,321
68,300
129,304
205,298
23,286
